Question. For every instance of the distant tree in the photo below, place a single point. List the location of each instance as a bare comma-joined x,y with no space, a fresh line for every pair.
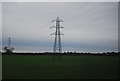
8,50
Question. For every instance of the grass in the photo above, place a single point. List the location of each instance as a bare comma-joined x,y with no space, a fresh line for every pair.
70,67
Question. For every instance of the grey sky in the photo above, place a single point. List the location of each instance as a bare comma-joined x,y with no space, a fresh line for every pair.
0,40
89,26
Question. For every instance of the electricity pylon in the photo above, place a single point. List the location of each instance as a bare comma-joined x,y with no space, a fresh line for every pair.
57,42
8,48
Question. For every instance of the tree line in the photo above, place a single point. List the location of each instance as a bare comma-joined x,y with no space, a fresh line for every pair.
65,54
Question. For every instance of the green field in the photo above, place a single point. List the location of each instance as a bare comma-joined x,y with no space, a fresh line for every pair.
70,67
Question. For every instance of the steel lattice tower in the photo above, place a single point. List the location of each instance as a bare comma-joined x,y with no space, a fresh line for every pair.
8,48
9,43
57,42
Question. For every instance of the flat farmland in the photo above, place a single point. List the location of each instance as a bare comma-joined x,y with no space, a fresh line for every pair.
69,67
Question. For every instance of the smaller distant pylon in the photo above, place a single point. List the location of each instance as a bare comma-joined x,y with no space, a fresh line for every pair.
8,48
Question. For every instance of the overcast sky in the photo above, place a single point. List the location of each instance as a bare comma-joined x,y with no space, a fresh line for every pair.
89,26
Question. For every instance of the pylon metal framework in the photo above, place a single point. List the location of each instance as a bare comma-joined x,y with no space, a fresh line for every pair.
8,48
9,43
57,42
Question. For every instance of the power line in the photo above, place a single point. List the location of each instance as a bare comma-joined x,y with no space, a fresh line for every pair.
73,10
76,9
92,21
86,12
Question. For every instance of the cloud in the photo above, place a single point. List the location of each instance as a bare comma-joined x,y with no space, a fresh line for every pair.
85,23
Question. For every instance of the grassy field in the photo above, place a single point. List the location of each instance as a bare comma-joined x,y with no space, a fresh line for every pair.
70,67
